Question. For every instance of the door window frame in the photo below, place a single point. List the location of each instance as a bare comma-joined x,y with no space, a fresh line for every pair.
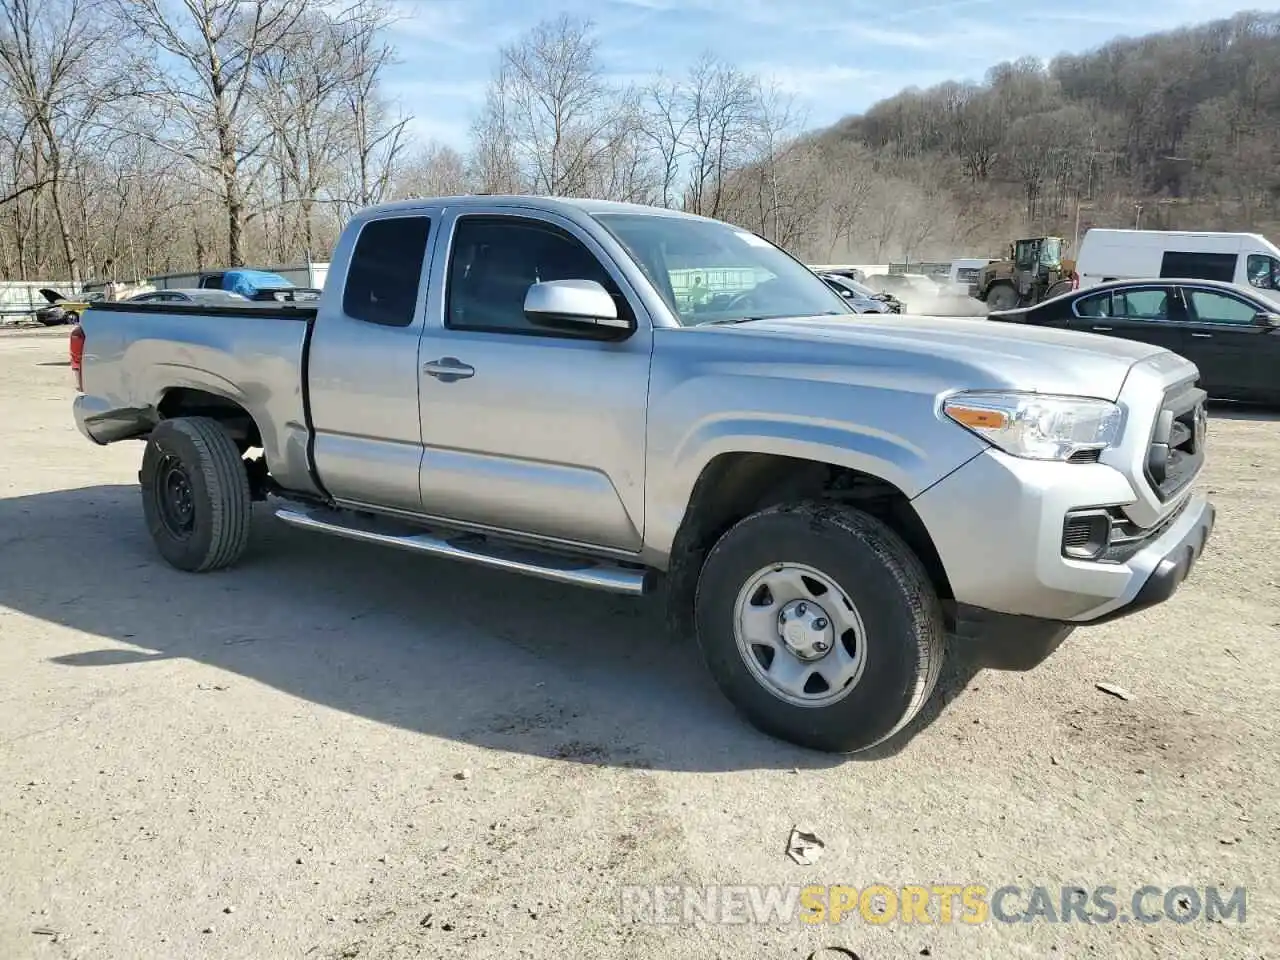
1075,306
440,281
1174,306
1190,307
1171,304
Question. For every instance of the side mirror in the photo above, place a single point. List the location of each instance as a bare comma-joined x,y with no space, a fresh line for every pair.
1268,321
580,304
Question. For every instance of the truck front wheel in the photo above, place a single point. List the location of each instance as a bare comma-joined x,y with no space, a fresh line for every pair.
820,625
195,494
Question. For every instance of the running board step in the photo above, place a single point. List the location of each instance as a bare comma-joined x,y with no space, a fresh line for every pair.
474,548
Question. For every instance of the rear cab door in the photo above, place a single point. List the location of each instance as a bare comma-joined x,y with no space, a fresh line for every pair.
361,371
1146,313
1237,358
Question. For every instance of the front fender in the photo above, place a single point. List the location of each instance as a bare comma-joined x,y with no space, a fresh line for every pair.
911,449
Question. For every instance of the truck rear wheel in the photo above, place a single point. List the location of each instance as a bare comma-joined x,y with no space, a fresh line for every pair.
195,494
820,625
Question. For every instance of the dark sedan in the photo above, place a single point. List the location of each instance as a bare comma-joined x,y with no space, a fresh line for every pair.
1232,334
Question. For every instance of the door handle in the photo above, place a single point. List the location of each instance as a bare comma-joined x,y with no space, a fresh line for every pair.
1101,328
1203,336
448,369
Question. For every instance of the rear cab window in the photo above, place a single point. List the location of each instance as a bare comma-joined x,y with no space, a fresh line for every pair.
386,271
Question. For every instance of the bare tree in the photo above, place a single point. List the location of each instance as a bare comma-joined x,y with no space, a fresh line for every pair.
205,56
494,164
297,88
435,171
665,125
551,115
59,83
723,107
376,132
847,184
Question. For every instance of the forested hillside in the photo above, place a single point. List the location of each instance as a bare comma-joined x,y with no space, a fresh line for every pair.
1174,130
221,134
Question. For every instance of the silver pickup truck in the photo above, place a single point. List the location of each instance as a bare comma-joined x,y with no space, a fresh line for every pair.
630,399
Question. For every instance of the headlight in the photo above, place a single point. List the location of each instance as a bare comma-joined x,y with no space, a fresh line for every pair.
1037,426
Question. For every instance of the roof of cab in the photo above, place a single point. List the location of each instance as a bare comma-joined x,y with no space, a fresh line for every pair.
563,205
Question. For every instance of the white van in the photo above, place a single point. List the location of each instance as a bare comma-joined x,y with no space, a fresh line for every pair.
964,274
1246,259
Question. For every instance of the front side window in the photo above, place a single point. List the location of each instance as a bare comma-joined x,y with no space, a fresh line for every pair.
1051,252
496,259
1141,304
711,272
1209,306
1263,271
386,266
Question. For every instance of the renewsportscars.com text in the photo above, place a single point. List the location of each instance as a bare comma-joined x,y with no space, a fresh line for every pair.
882,904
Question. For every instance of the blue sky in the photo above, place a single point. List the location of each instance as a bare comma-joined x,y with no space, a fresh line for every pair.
835,56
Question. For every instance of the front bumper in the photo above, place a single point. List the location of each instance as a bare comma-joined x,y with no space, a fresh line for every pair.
1195,525
997,524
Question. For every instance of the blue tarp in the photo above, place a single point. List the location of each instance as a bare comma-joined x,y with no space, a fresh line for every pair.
248,282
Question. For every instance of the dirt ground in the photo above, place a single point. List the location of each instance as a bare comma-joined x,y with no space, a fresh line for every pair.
338,751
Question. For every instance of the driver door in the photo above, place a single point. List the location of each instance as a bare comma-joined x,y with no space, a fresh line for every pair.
1026,259
528,429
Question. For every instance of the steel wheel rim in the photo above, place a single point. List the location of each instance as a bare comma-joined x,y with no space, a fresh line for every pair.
174,497
776,628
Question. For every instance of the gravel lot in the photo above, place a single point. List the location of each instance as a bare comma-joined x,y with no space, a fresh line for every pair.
339,751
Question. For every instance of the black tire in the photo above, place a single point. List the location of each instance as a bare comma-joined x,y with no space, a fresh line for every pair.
1002,297
1058,289
208,528
883,581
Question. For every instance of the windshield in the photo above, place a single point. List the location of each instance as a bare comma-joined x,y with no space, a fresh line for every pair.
854,286
711,272
1051,252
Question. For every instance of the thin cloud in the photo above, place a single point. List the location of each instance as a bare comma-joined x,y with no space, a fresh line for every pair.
811,82
837,58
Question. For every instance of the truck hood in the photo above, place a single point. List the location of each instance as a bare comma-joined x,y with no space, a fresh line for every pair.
957,353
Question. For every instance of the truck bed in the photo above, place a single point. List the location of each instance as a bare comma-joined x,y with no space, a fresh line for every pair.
272,309
147,360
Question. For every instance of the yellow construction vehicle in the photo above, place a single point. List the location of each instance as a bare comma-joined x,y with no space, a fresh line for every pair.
1033,270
